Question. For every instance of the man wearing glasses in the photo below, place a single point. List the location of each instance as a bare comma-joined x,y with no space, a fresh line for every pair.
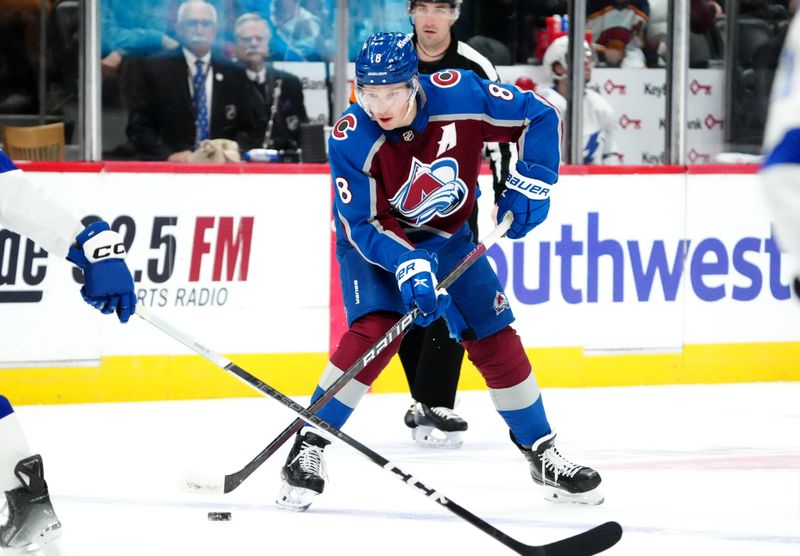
181,99
279,105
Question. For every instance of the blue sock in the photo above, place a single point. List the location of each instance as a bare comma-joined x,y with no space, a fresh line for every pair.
528,424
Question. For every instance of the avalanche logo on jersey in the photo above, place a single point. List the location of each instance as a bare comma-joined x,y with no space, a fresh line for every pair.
500,302
429,191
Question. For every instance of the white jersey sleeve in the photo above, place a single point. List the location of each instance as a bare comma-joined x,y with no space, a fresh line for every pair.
784,112
781,172
30,211
607,125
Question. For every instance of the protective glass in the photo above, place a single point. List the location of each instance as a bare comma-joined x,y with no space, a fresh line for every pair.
246,40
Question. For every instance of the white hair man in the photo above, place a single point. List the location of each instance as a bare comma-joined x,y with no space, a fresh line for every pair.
183,98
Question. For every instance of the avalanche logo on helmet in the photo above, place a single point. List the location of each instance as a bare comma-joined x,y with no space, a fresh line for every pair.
429,191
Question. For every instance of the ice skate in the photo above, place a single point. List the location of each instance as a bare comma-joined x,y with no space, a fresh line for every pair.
435,427
562,480
304,474
27,517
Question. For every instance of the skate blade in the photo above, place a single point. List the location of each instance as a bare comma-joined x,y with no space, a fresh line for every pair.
590,498
44,547
27,544
431,437
295,499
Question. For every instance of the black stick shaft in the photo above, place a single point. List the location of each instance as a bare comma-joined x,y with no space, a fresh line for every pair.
586,543
233,480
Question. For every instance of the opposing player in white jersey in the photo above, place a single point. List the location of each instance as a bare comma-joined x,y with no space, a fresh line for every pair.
599,145
26,513
781,171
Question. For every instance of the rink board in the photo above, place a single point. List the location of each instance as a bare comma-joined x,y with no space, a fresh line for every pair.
640,277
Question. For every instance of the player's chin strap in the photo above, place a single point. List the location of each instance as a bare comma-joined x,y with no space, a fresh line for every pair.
589,542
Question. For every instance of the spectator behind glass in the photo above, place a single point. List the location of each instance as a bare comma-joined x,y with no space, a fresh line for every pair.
227,12
277,95
169,115
599,145
299,29
617,26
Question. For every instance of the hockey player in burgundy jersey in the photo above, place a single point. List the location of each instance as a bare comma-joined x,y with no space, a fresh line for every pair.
26,513
404,163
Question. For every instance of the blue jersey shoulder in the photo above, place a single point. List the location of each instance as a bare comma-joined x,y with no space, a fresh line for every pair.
453,91
353,135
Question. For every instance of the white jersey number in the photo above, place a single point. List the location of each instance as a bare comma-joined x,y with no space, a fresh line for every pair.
500,92
343,187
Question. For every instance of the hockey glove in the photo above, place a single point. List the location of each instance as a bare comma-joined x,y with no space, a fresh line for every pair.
108,285
527,199
416,278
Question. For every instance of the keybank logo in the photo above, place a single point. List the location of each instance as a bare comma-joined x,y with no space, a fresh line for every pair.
715,269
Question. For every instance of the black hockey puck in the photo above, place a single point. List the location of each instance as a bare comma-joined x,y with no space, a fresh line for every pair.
219,516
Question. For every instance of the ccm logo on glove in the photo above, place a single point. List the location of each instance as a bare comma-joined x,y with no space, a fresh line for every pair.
533,189
103,246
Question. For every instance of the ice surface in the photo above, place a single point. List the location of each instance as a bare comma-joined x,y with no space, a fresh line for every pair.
686,470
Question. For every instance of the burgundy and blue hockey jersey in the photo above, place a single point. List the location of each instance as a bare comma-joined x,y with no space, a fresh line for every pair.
394,189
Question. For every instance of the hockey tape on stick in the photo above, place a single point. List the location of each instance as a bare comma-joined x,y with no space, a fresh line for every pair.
589,542
206,482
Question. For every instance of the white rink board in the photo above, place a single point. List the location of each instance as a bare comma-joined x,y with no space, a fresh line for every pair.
282,306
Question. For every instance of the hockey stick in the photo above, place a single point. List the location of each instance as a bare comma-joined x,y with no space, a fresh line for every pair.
589,542
195,481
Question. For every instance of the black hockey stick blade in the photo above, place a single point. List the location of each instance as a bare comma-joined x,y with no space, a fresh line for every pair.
590,542
196,482
593,541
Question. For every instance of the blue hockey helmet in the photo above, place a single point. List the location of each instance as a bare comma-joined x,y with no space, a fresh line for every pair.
386,59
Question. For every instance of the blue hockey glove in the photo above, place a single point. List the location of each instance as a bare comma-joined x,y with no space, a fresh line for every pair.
108,285
527,199
416,278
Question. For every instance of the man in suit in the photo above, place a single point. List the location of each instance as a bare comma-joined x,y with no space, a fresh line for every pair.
179,100
279,106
